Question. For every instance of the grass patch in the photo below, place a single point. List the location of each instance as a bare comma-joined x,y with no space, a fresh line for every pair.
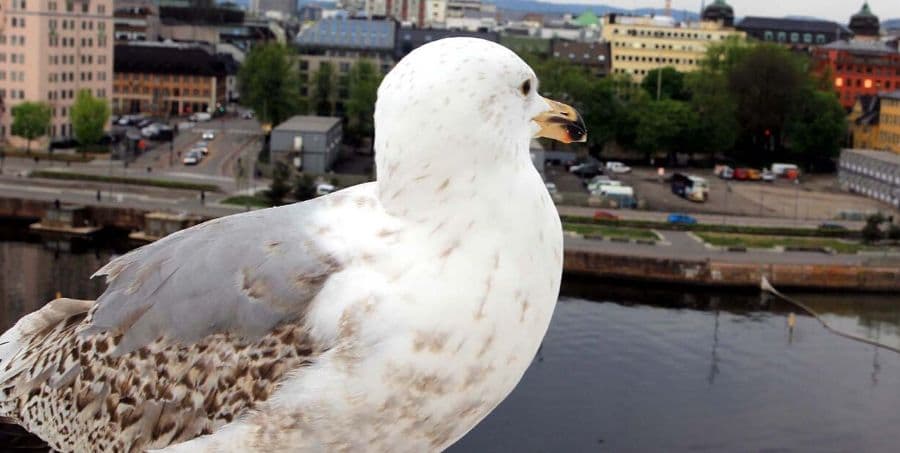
765,242
611,231
58,157
253,201
712,228
164,183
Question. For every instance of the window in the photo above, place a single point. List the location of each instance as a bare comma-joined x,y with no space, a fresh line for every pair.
795,37
820,39
782,36
101,9
807,38
769,36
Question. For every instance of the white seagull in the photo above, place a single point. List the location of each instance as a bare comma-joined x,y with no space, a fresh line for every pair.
387,317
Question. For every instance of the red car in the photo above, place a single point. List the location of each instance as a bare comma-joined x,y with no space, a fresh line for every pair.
604,215
742,174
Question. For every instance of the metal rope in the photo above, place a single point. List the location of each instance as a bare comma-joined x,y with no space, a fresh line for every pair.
767,287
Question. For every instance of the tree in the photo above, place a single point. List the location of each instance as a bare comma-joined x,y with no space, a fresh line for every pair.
279,186
269,83
89,117
663,125
323,89
722,57
716,127
364,81
670,84
817,125
765,84
30,121
304,188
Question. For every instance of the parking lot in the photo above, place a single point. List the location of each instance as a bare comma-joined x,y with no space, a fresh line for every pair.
815,197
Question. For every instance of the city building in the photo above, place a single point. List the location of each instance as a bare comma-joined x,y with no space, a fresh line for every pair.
464,8
409,39
592,55
875,174
217,25
473,22
795,33
287,8
136,22
308,143
419,13
889,128
641,44
864,119
168,79
864,24
341,43
858,68
49,51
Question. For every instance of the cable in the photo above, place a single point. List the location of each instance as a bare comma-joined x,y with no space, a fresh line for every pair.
767,287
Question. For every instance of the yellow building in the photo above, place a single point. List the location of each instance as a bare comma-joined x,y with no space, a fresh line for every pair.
641,44
864,122
889,123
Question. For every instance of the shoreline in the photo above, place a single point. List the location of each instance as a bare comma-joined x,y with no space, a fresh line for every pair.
593,262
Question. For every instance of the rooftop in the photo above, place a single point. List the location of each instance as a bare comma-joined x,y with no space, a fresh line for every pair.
800,25
861,46
884,156
349,33
893,95
146,58
308,123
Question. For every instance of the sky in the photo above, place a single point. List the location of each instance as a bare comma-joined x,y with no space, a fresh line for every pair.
836,10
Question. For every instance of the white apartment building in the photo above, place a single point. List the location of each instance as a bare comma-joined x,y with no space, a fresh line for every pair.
49,50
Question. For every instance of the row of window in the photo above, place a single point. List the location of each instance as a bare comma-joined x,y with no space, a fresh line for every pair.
889,119
14,76
13,58
163,92
875,70
13,94
14,40
644,59
657,46
69,24
795,38
70,7
160,78
670,34
70,42
890,138
862,83
17,22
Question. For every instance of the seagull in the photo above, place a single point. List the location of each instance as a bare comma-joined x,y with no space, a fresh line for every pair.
390,316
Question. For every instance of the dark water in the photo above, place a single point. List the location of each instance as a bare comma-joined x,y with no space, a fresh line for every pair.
626,368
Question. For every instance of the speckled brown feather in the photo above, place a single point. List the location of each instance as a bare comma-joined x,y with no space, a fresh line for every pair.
77,396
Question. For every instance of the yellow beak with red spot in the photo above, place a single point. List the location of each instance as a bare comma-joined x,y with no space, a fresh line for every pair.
561,123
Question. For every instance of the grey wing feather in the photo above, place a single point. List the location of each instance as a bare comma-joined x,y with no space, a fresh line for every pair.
241,274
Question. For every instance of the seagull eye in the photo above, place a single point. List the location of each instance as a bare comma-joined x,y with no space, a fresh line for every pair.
526,87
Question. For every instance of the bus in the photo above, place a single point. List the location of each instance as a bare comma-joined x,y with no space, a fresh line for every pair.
693,188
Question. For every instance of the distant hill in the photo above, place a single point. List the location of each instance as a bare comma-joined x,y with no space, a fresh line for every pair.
539,7
891,24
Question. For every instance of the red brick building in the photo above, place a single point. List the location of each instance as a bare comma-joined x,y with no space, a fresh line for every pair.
859,68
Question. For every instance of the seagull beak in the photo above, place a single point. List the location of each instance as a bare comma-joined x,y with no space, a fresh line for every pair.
561,123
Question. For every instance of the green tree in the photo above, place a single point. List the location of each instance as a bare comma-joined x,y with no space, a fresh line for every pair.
304,188
722,57
669,81
89,116
323,89
716,127
30,121
364,81
663,125
765,83
817,126
280,185
269,83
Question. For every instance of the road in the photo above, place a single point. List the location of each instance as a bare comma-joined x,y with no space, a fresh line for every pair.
712,219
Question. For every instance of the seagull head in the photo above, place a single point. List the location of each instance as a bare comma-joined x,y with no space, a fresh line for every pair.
465,101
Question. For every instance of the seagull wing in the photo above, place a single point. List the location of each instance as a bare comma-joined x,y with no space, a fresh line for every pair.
241,274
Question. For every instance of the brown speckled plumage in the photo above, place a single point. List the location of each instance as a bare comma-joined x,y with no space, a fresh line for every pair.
77,396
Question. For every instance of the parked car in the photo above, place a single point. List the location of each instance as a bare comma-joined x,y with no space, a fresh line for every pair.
324,189
829,226
724,172
598,179
753,174
150,131
209,135
596,185
605,215
691,187
741,174
192,158
248,115
200,117
617,167
143,123
586,170
681,219
782,169
551,187
768,175
203,149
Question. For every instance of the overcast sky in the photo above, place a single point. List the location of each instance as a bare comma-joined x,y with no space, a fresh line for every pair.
837,10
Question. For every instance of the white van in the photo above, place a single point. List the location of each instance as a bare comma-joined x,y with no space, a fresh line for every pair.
782,169
613,190
201,116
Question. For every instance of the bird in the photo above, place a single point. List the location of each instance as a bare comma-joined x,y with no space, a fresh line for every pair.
392,315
